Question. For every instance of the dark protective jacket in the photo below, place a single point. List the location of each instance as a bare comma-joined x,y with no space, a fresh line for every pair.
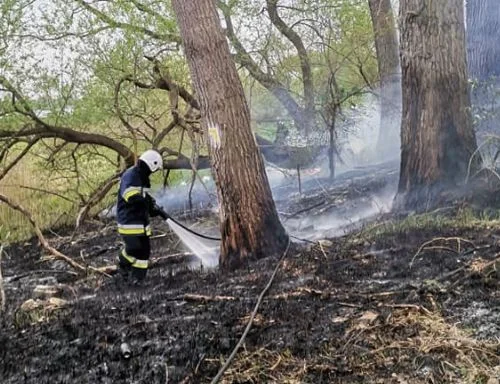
134,205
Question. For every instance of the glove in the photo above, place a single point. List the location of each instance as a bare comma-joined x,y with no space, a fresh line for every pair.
154,211
153,208
160,212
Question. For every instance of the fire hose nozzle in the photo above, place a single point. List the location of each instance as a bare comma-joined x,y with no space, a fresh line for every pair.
164,215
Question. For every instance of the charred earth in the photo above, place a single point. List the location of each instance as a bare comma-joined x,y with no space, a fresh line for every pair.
373,299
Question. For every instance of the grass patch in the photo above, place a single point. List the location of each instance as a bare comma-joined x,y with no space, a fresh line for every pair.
433,222
54,198
37,311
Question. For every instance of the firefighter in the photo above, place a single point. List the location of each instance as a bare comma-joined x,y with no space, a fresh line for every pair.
134,207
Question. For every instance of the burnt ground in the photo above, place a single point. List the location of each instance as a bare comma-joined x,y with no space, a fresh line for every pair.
412,300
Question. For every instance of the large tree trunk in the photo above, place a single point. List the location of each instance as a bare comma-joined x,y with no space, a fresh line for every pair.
387,48
483,34
483,54
437,135
249,222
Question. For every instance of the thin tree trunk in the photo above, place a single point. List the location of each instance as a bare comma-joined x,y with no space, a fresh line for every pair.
249,222
332,145
387,48
306,123
437,135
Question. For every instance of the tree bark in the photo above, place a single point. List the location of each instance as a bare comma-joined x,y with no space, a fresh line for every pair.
436,130
483,34
483,54
387,48
249,222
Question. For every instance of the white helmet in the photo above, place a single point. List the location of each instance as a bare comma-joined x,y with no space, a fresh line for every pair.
153,159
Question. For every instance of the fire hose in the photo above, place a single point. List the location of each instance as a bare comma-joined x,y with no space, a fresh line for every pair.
165,216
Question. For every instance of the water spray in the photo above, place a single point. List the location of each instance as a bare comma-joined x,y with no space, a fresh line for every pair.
195,241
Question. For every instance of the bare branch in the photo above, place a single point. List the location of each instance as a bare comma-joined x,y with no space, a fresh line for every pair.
243,58
290,34
158,139
18,158
120,114
62,36
45,244
126,26
47,192
96,197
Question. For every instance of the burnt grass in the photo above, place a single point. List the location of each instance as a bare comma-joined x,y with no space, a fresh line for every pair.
377,305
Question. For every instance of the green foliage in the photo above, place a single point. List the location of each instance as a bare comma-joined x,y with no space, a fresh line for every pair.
340,42
93,45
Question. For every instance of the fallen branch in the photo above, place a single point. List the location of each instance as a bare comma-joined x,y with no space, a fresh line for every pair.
174,258
408,306
192,297
226,365
482,269
45,244
2,291
304,210
427,243
12,278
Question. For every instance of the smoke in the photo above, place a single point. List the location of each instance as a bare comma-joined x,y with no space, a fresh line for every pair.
344,220
359,135
361,164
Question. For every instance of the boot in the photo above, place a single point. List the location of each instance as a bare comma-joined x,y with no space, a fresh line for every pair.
138,275
124,265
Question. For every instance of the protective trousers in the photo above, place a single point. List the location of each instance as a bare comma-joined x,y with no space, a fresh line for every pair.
134,257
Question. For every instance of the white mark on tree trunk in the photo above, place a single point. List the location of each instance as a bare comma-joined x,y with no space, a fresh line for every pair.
214,135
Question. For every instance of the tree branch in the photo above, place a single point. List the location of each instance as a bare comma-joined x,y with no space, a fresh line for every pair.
243,58
47,192
203,162
120,25
45,244
165,82
95,197
44,130
18,158
294,38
